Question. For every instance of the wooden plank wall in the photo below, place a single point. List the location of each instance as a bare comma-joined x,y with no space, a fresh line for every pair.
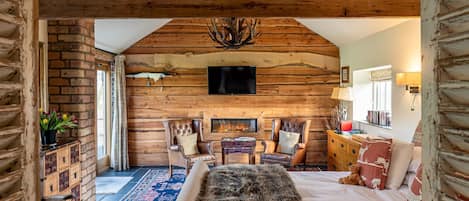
297,85
190,35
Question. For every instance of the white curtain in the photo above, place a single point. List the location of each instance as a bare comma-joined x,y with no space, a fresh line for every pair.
119,137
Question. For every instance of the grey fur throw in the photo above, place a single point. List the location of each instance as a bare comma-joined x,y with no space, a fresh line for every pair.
248,183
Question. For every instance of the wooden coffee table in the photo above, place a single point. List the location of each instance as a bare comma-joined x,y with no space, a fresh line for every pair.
234,145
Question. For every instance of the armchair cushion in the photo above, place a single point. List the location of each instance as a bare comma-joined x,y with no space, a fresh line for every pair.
200,157
287,142
188,143
276,157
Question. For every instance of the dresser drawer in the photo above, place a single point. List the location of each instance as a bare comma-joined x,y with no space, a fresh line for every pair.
75,174
353,150
63,158
74,153
75,191
50,185
64,179
50,163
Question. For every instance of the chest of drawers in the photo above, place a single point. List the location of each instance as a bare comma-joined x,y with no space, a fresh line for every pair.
61,170
342,151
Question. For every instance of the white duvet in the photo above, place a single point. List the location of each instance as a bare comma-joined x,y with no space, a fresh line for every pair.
312,186
323,186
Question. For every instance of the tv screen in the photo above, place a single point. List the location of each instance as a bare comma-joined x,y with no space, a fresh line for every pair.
231,80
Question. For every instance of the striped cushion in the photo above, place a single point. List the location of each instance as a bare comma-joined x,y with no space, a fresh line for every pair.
416,186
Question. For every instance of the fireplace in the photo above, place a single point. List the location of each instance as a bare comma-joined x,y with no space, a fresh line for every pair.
234,125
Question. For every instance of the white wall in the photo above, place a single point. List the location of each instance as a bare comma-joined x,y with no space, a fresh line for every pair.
398,46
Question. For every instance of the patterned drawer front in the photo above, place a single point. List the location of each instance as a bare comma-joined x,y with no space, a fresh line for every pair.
75,174
50,163
63,158
75,153
64,179
50,185
76,192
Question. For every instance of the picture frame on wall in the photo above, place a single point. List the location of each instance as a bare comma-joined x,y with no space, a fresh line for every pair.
345,74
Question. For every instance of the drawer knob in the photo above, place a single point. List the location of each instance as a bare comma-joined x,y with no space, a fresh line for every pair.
75,175
350,164
342,145
63,159
332,141
51,188
353,151
335,155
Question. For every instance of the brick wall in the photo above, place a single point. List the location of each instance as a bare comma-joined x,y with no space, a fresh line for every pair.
72,78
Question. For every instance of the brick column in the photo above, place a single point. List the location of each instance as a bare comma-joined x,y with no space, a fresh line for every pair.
72,78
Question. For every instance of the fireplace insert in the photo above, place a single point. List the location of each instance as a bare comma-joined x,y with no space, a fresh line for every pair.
234,125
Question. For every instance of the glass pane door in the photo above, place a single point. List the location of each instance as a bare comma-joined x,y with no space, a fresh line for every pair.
101,113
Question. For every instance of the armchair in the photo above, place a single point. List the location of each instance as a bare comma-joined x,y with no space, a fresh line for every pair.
271,156
176,154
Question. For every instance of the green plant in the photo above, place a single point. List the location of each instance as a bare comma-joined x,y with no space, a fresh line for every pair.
56,121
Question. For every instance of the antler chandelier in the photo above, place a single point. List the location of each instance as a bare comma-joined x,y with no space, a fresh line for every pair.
233,32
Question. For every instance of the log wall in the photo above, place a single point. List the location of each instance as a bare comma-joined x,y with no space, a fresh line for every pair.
288,85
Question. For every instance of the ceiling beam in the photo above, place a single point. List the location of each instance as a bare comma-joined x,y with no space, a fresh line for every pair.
223,8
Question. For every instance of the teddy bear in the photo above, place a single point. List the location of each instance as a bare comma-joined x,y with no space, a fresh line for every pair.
354,177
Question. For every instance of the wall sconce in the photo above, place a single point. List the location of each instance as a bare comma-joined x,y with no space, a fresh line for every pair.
411,81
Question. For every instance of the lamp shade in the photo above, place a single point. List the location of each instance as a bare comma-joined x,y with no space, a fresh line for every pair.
342,93
408,78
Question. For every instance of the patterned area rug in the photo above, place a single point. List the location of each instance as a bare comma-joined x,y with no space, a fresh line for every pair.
156,186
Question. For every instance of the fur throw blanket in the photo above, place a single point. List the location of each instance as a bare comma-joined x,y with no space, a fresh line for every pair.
248,183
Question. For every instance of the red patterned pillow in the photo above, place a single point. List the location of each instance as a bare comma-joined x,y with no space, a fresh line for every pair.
374,159
416,186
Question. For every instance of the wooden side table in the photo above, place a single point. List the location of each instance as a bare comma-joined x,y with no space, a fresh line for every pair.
232,145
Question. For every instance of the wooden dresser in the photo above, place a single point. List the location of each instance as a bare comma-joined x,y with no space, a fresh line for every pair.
342,151
61,169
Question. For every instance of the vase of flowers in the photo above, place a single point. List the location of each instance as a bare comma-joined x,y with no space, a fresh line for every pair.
53,123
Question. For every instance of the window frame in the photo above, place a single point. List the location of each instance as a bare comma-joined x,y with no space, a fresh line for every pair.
103,163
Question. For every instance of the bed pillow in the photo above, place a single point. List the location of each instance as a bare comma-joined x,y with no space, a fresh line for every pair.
188,143
374,158
416,160
400,159
416,186
287,142
409,177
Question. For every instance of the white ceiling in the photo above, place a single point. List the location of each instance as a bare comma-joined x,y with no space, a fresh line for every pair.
116,35
345,31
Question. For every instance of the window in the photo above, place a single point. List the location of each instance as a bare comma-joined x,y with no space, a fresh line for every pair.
372,93
101,113
382,95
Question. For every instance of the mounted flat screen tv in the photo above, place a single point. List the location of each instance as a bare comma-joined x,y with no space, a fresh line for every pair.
231,80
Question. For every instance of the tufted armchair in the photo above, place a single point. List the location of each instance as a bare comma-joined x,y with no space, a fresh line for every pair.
271,155
176,154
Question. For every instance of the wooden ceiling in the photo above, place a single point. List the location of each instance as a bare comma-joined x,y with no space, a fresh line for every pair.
226,8
191,35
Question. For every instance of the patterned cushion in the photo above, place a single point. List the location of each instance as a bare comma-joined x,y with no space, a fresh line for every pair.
198,157
416,186
287,142
374,158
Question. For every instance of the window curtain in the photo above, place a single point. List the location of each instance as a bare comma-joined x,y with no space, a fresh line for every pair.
119,137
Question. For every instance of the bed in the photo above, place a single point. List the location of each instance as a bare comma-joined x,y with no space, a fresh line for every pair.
319,186
312,186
